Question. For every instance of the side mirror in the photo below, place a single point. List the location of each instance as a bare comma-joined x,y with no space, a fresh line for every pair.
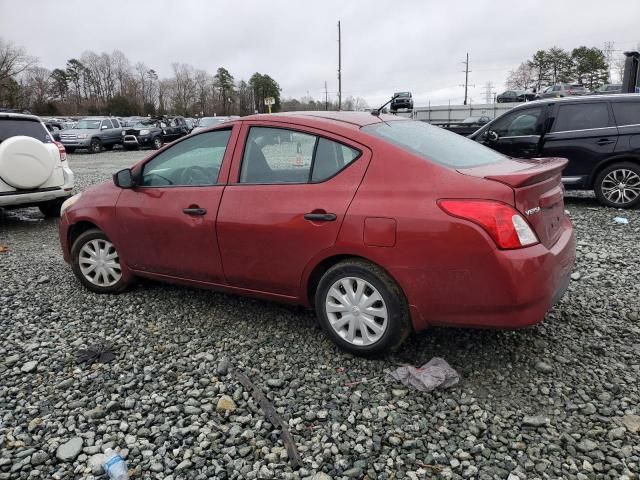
492,136
124,179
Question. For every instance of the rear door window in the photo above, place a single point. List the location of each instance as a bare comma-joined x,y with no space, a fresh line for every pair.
626,113
581,117
10,127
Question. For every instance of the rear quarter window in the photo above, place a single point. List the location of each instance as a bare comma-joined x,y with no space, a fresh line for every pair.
12,127
434,143
626,113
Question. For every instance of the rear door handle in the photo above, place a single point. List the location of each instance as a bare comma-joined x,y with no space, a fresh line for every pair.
604,141
320,217
195,211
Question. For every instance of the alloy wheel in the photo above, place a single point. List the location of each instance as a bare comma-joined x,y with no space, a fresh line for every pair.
621,186
99,263
356,311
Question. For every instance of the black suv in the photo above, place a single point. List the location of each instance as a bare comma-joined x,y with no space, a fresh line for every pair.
599,135
154,132
401,100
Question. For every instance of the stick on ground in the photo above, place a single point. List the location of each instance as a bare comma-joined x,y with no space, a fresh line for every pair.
273,417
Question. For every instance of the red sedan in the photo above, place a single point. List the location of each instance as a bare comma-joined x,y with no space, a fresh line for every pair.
383,225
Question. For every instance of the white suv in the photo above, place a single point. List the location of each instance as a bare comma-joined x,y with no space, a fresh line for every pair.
33,168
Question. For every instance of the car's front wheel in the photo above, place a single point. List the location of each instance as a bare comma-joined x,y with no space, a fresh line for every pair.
95,146
361,308
157,143
618,185
96,263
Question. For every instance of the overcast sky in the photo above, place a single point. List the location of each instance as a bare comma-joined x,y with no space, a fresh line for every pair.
387,46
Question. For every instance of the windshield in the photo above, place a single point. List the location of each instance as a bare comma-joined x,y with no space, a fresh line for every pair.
471,120
403,94
207,122
88,124
434,143
143,125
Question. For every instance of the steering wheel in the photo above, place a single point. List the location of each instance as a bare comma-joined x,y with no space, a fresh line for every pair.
195,175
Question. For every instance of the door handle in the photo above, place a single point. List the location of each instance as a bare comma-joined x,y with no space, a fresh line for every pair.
195,211
604,141
320,217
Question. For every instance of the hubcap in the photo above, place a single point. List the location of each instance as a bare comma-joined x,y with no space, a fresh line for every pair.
621,186
356,311
99,263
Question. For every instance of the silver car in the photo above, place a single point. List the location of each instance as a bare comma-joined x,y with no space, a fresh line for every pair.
563,90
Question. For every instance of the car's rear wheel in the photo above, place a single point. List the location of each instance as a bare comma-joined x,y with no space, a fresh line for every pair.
618,185
51,208
95,146
361,308
96,263
157,143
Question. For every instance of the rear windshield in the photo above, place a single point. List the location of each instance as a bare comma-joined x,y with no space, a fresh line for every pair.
434,143
12,127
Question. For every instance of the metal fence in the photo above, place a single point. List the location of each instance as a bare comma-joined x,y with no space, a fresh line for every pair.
457,113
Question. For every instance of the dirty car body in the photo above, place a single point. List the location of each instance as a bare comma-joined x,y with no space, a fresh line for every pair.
384,225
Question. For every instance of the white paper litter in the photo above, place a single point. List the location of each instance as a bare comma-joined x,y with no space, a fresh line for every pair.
436,373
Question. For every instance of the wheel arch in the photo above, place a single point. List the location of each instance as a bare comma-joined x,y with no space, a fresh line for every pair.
78,229
316,273
608,162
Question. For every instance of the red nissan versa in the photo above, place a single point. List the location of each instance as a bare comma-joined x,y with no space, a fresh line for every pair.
382,224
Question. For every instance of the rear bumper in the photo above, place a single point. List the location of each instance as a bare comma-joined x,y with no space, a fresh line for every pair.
513,289
32,197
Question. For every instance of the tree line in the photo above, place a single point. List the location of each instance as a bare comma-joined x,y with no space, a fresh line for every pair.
587,66
109,83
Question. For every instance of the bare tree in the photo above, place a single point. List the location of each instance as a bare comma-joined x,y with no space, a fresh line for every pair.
13,60
38,87
521,78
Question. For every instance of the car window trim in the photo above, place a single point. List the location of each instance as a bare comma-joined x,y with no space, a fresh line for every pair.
217,184
308,182
521,136
581,130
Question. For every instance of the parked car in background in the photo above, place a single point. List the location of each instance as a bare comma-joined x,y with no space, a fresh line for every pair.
190,124
563,90
467,126
208,122
599,135
609,89
144,133
93,133
401,100
305,208
513,96
33,167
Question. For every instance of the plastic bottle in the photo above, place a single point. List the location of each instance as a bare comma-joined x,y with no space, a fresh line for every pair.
115,466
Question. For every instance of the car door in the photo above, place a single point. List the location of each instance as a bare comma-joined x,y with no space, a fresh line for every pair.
516,133
169,220
106,131
288,193
582,132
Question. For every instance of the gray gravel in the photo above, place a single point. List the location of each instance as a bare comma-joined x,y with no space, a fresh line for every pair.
559,400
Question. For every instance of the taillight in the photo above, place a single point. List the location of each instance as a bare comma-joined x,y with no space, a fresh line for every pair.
502,222
62,151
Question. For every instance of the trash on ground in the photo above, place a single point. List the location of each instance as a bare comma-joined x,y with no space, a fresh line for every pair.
621,220
100,352
4,248
114,465
436,373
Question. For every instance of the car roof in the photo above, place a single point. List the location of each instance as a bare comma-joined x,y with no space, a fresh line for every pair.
582,98
320,119
19,116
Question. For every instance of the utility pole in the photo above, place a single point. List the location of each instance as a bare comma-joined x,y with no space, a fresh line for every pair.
339,69
466,78
326,97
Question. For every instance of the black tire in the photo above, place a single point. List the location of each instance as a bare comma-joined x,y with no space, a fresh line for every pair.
70,149
398,319
51,209
157,143
84,238
95,146
619,170
109,147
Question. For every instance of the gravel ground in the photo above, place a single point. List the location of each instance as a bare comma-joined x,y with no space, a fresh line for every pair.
559,400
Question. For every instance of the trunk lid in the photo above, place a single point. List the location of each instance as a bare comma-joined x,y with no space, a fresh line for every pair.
537,188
